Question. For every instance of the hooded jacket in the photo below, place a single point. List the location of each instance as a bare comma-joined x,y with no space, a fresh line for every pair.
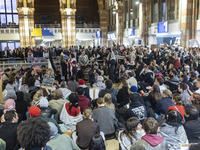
83,102
151,142
112,92
163,105
9,93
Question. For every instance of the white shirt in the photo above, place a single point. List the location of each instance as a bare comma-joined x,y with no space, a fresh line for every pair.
132,82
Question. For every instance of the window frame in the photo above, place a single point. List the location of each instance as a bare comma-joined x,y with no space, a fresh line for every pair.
12,13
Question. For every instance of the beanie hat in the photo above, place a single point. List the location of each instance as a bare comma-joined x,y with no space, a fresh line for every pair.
34,111
9,105
81,82
134,89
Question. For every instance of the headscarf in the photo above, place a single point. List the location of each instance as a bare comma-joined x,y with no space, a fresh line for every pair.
9,105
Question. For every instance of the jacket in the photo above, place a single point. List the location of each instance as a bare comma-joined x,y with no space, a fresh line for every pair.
86,130
132,82
151,142
192,129
184,97
9,93
163,105
125,142
123,97
175,136
73,85
106,119
8,133
62,142
112,92
83,102
2,145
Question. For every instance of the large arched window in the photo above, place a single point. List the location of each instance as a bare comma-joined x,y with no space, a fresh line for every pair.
8,13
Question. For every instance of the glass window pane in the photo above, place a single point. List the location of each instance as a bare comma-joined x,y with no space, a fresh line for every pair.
9,19
2,19
11,46
3,45
16,19
2,6
14,6
8,6
17,45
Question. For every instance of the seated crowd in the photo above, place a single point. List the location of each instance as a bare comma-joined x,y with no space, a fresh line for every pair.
149,102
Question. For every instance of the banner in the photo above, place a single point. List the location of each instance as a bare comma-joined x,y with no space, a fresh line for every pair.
48,32
36,32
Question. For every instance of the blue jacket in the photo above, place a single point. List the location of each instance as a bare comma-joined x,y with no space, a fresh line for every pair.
163,104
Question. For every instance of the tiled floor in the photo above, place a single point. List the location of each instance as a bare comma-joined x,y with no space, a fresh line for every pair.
112,144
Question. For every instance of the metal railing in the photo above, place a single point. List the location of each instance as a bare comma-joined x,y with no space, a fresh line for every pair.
87,30
9,30
48,25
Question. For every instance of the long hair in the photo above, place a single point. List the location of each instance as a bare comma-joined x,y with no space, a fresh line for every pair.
156,92
73,98
125,84
34,132
130,128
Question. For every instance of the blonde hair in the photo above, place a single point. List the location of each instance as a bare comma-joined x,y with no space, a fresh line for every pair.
87,112
107,98
38,94
100,101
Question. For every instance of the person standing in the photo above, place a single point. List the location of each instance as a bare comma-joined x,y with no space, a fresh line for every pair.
111,64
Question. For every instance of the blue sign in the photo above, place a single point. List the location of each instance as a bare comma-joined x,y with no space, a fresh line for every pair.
163,27
47,32
132,32
99,34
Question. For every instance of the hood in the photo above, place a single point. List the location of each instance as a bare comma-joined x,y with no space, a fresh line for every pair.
152,139
82,97
9,87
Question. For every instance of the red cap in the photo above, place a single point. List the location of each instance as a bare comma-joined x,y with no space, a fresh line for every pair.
34,111
81,82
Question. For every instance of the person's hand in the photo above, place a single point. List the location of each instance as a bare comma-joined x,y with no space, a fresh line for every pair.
188,88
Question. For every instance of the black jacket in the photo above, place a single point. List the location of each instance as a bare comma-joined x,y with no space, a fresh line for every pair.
122,97
163,104
192,129
8,132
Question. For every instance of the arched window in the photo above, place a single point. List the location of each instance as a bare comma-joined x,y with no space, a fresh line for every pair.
8,13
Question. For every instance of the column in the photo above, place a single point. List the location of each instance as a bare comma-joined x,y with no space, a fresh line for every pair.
120,23
68,11
188,21
26,22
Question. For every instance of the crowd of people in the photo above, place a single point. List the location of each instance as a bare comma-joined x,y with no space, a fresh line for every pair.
147,99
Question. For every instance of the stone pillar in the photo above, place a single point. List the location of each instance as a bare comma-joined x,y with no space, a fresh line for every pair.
188,21
145,20
103,18
67,9
120,23
26,22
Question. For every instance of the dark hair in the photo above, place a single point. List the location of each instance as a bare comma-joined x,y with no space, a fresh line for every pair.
31,81
73,77
63,84
160,80
193,74
97,143
73,98
192,112
34,132
156,92
10,81
183,86
9,115
195,147
150,126
174,118
80,91
130,128
45,93
185,78
130,74
72,55
109,84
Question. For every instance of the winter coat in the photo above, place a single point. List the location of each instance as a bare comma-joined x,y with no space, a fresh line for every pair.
192,129
163,105
175,136
123,97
